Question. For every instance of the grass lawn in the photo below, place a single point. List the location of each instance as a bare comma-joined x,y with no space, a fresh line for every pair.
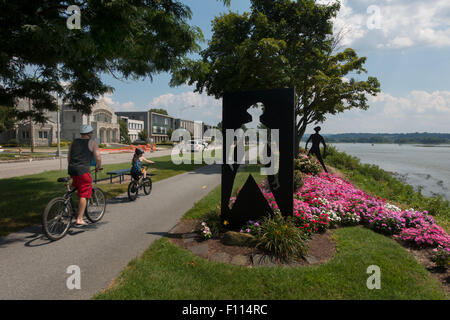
24,198
166,271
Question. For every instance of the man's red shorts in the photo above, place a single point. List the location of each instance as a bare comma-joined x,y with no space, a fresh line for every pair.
83,184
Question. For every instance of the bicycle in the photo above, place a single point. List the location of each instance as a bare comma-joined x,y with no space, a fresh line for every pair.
139,184
58,215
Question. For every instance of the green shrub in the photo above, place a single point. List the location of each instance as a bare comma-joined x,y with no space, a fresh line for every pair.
307,165
214,222
281,238
298,180
101,145
13,143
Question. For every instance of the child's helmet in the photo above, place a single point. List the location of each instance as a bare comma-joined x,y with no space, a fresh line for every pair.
139,151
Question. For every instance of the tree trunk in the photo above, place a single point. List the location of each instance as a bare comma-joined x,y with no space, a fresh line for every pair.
31,128
299,132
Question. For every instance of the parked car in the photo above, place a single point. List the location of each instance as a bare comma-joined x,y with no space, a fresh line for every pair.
1,149
194,146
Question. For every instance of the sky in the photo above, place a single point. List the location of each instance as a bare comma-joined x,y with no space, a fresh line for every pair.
407,45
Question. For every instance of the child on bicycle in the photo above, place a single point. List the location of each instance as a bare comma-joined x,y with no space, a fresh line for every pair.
137,170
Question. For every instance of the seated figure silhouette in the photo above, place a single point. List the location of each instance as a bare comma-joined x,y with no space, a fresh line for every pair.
316,140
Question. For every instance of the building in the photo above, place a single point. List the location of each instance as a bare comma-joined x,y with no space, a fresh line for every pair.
157,126
102,119
134,128
161,126
142,116
194,127
44,135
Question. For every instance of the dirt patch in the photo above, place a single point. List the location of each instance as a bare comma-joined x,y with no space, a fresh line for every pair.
322,248
424,257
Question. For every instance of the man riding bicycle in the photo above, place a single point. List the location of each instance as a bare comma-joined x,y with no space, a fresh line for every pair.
81,153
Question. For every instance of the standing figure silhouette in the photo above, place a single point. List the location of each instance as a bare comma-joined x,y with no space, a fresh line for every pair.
317,139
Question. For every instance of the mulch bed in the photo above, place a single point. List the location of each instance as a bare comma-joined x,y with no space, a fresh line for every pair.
424,257
321,247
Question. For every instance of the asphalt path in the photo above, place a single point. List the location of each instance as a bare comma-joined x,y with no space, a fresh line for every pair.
31,267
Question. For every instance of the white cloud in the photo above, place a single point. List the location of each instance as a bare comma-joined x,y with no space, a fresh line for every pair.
402,23
419,111
191,106
117,106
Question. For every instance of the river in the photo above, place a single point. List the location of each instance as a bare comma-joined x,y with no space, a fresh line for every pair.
417,165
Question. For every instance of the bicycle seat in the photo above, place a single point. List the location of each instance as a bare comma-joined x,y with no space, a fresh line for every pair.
63,179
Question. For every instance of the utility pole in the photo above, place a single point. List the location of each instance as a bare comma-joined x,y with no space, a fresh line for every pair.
31,128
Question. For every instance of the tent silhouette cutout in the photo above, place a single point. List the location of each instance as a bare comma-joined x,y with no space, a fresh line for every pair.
250,204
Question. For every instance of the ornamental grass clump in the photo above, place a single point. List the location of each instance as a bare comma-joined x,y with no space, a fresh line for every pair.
282,239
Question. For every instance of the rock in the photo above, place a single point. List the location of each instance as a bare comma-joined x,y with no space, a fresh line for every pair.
187,241
311,260
260,260
232,238
240,260
200,250
220,257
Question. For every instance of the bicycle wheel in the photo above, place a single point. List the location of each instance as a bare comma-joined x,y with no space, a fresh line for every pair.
56,219
147,186
133,189
96,207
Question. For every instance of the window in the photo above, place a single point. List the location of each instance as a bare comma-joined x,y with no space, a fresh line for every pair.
45,134
40,134
74,119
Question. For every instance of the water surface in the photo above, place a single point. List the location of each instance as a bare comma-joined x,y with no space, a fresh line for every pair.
417,165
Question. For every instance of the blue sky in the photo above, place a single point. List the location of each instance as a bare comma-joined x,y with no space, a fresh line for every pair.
407,45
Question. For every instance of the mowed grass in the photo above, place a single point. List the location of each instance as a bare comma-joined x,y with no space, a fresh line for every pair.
167,272
24,198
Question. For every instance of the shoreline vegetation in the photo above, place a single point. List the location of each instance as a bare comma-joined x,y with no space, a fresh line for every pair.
388,138
378,182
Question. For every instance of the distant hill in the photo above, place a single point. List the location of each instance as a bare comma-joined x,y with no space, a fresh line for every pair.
397,138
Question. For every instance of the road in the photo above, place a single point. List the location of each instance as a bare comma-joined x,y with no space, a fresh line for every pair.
31,267
15,169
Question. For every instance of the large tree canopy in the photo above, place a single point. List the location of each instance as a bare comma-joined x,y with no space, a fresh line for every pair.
126,38
279,44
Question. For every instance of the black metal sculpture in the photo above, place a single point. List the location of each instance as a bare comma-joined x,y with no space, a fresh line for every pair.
316,140
279,113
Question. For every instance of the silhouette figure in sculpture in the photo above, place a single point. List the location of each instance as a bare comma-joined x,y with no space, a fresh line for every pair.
316,140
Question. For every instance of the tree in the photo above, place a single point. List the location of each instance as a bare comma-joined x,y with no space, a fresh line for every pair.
160,111
127,39
283,44
143,135
169,133
7,120
124,135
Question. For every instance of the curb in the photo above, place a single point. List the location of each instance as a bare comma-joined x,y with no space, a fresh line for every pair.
28,160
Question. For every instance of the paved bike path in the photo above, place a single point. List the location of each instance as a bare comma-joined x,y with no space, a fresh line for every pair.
31,267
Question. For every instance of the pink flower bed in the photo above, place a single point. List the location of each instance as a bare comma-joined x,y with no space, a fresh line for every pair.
326,200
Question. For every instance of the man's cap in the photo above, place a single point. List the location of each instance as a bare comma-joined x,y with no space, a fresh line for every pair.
317,128
85,129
